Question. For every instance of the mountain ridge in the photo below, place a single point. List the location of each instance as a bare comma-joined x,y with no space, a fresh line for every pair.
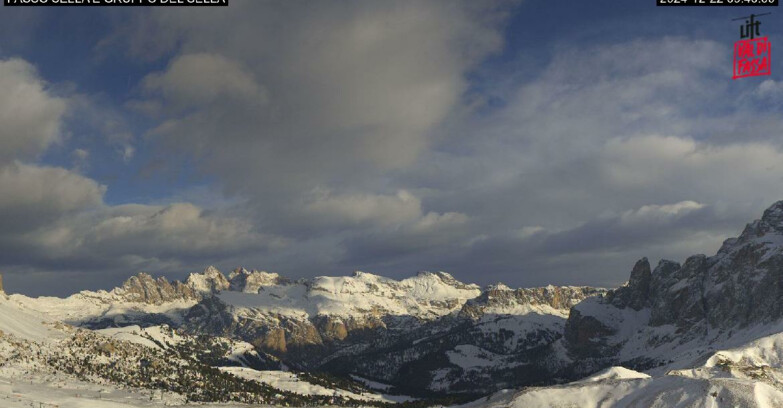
702,300
341,324
431,334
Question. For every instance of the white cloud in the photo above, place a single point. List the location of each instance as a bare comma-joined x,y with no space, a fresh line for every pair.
30,115
195,80
671,165
655,213
176,230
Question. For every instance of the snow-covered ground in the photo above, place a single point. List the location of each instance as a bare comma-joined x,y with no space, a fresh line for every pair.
101,304
23,323
662,392
153,337
288,381
26,382
747,376
742,368
25,390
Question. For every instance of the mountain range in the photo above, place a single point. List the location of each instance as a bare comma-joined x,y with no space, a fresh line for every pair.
707,330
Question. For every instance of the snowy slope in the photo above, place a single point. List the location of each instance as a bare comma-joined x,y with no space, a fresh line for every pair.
24,323
288,381
86,306
747,376
662,392
426,295
153,337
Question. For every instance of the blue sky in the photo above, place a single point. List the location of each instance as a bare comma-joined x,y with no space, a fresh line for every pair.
525,142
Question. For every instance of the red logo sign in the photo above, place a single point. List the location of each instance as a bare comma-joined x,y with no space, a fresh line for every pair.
752,57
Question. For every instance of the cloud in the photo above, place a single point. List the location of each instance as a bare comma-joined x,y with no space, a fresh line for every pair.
367,144
118,238
102,246
602,250
174,231
599,160
35,196
631,229
344,136
31,116
356,209
196,80
304,111
667,165
56,220
349,90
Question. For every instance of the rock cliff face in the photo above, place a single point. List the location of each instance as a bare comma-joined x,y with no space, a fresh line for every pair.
208,282
636,294
2,290
701,301
500,299
143,288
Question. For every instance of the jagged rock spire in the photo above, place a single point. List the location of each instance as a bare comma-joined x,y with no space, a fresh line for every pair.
636,293
146,289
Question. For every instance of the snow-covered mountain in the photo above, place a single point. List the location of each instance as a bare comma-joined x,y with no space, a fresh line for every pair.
450,336
676,313
747,376
705,331
44,362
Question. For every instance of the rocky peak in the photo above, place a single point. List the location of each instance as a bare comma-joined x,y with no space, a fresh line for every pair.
773,216
242,280
640,276
500,299
705,296
636,293
364,275
766,229
1,284
665,269
498,287
445,278
144,288
209,281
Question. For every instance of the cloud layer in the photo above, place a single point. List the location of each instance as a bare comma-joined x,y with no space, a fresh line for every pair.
385,136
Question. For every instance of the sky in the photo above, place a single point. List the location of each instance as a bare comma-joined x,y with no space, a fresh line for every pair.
527,142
